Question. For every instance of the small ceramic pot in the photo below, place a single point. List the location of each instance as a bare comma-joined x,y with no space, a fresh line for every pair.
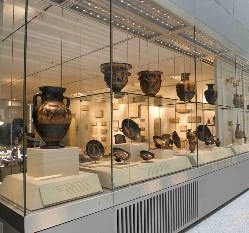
210,94
238,132
150,81
217,142
192,145
120,74
236,100
185,89
119,138
241,101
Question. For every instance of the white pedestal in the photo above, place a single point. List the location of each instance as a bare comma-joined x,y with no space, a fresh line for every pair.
211,154
240,141
124,174
134,149
162,153
48,162
46,191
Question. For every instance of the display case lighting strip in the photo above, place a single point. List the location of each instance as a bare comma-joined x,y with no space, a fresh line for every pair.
147,20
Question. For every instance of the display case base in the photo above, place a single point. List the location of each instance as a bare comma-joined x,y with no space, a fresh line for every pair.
124,174
134,149
50,190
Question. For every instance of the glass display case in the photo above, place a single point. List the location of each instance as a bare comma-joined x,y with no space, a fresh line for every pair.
99,95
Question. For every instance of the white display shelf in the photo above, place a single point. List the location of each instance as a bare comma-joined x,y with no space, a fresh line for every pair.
129,173
208,155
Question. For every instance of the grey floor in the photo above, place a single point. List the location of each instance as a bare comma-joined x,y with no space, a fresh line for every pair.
232,218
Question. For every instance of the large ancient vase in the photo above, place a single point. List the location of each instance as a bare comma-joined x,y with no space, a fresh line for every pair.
150,81
210,94
185,89
120,74
53,117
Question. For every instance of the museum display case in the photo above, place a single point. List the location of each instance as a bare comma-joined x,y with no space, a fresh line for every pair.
100,95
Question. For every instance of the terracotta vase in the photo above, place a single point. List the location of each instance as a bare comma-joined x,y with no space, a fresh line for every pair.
185,89
120,74
241,101
210,94
192,145
238,132
52,118
217,142
236,100
150,81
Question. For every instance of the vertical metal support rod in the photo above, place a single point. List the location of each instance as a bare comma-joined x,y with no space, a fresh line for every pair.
24,139
111,92
61,52
196,104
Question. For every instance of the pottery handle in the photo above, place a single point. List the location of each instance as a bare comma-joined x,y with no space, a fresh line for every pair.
68,101
35,99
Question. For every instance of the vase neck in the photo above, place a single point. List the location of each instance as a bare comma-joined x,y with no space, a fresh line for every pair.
210,86
52,93
185,76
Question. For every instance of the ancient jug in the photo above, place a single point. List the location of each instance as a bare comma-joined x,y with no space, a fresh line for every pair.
120,74
185,89
236,100
192,145
150,81
53,117
210,94
238,132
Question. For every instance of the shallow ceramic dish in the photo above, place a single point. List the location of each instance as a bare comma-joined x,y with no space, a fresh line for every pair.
120,154
159,142
95,150
176,139
130,129
146,155
203,133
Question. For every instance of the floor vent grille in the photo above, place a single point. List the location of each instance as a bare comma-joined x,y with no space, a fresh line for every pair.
164,212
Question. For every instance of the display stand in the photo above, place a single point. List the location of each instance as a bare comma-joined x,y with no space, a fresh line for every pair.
128,173
162,153
50,184
134,149
209,154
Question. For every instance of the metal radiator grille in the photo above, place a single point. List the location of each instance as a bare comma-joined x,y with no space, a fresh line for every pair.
165,212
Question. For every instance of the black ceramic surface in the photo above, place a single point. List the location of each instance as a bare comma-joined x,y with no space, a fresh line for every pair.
203,133
120,154
176,139
95,150
119,138
146,155
210,94
130,129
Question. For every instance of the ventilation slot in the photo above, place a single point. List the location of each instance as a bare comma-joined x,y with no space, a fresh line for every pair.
165,212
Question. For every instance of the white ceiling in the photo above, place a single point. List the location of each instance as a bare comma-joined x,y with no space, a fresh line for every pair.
84,44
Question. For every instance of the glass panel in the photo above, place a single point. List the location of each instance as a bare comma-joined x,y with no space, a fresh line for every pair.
147,104
66,94
11,111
